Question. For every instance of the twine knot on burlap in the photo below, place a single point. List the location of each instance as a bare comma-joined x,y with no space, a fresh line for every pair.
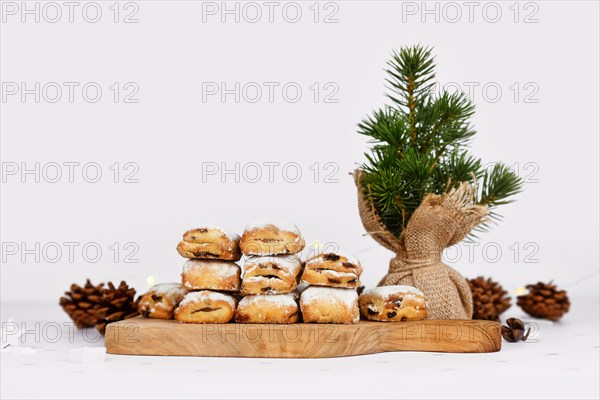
439,222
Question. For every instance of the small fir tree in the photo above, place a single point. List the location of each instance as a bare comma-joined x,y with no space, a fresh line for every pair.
420,144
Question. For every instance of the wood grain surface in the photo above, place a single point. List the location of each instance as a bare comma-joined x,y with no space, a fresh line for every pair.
144,336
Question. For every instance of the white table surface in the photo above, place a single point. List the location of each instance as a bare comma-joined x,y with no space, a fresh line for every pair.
561,362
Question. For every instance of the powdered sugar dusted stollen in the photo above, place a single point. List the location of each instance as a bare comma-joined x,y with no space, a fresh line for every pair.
439,222
204,307
329,305
211,274
267,237
268,309
213,234
393,303
334,270
161,300
271,274
210,242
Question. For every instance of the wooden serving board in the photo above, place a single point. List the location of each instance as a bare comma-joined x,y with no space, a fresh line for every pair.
144,336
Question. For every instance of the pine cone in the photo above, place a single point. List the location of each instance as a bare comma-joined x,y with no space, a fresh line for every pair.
489,298
79,303
544,301
98,305
514,330
115,304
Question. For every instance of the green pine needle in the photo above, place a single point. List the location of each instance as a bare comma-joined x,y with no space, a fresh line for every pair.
419,145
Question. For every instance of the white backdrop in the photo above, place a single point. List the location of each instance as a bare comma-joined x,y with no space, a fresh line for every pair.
532,68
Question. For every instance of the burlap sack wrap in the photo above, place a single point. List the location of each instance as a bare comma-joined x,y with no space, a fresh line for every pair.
439,222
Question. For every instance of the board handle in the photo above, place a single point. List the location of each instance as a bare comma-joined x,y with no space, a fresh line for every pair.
455,336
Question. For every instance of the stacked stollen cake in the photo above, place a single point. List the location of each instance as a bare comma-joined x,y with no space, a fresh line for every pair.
331,296
271,273
211,275
212,290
